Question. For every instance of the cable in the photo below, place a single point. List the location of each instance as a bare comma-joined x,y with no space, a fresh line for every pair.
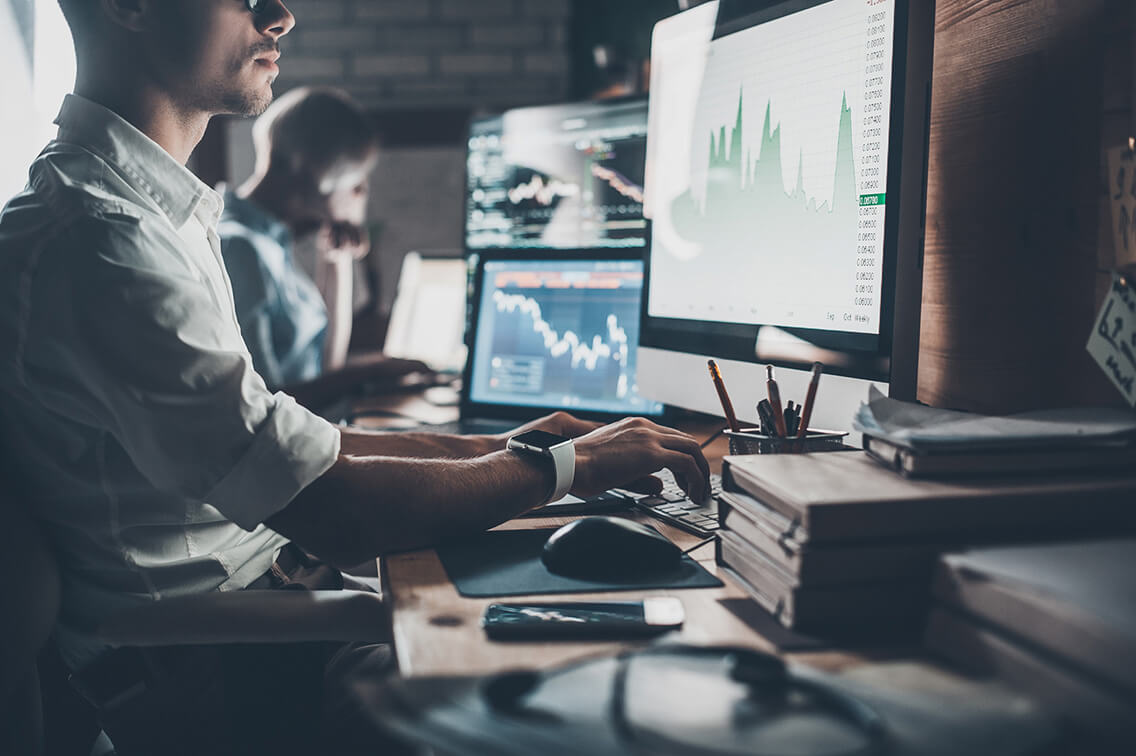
713,437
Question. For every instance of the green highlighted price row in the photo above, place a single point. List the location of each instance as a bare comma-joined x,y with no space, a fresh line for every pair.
871,200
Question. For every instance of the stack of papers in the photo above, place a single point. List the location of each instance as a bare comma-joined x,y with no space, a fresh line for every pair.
918,440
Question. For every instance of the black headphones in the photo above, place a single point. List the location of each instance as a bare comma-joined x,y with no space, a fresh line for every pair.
764,675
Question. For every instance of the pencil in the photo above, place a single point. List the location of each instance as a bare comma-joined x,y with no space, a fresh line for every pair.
720,386
775,401
810,397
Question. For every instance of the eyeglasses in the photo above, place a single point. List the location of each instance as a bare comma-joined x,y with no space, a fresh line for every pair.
256,6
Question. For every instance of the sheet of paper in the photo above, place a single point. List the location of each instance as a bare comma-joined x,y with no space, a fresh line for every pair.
1113,340
1122,196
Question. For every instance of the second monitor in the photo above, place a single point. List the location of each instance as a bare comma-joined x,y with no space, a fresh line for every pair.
557,177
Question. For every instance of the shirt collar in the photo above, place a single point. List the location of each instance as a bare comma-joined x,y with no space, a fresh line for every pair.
148,167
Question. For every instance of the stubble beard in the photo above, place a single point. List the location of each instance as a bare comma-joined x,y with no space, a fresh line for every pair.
248,102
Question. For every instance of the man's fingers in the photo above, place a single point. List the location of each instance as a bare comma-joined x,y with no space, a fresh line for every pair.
689,446
688,474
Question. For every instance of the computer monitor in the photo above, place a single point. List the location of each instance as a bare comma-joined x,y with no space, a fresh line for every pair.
552,334
785,186
428,317
557,177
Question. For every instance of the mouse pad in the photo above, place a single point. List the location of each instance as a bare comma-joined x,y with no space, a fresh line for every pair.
507,563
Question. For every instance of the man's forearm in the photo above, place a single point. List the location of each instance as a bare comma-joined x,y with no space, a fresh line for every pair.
367,506
361,443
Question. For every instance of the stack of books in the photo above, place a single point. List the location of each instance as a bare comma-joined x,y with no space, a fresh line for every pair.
834,544
1055,620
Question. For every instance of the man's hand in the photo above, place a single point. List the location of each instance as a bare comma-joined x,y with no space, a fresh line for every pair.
560,423
376,366
624,454
344,241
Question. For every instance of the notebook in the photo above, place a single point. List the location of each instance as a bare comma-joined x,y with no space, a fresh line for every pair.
1074,600
552,334
848,496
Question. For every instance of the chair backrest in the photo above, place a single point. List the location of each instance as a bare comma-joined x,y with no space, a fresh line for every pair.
29,603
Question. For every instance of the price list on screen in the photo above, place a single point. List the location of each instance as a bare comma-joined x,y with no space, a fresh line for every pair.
872,163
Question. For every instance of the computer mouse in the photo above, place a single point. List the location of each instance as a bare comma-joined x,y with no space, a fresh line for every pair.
608,548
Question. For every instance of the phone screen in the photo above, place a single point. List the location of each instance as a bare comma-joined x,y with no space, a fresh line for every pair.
614,619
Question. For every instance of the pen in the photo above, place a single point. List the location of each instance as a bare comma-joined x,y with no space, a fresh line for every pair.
765,413
775,402
810,397
727,405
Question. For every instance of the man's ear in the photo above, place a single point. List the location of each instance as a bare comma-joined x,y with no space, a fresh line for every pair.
129,14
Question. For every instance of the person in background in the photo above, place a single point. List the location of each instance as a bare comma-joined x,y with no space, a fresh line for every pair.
290,237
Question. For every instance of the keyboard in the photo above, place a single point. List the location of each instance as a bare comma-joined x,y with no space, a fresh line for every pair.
673,506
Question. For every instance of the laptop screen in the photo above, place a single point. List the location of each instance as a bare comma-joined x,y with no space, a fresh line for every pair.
559,334
427,320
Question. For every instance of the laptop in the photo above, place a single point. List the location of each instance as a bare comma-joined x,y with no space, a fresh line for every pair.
427,320
552,334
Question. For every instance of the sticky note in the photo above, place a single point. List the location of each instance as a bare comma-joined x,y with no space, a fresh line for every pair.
1113,340
1122,197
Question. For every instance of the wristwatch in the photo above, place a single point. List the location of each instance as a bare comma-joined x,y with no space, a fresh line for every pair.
545,445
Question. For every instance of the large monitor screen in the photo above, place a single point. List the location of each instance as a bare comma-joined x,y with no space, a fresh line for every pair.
785,187
557,177
768,176
559,334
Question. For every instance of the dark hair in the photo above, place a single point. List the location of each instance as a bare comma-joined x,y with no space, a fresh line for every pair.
314,128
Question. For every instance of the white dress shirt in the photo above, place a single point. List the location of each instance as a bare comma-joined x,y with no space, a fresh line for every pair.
143,438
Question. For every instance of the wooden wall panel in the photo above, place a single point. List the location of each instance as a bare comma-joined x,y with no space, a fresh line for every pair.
1025,91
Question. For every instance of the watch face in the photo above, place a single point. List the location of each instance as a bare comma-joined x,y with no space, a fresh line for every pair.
539,439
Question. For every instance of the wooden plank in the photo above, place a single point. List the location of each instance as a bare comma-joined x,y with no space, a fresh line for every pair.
1021,91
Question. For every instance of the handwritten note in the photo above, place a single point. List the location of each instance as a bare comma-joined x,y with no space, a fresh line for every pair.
1113,341
1122,195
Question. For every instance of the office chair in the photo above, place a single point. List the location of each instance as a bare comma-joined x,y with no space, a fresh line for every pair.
29,604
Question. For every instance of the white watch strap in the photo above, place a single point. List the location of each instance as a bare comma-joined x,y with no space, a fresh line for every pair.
564,460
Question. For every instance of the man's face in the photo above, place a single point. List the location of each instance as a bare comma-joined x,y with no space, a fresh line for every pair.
217,56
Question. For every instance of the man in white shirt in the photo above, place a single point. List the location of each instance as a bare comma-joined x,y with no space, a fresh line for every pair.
149,448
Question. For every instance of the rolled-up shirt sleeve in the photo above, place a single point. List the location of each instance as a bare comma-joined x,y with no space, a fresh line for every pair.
149,351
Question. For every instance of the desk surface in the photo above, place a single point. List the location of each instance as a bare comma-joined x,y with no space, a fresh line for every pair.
437,631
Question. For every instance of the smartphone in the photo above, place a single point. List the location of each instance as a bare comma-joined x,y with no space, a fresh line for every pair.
583,619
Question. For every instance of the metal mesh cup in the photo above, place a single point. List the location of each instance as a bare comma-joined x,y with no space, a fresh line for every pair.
753,442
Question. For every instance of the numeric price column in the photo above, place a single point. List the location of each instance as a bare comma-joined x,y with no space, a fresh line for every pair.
872,163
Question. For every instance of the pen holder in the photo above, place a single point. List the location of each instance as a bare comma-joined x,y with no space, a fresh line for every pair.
753,442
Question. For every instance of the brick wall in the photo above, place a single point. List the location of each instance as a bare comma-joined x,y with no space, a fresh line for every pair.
421,53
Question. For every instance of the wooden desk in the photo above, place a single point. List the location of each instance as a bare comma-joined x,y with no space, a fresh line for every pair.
437,631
